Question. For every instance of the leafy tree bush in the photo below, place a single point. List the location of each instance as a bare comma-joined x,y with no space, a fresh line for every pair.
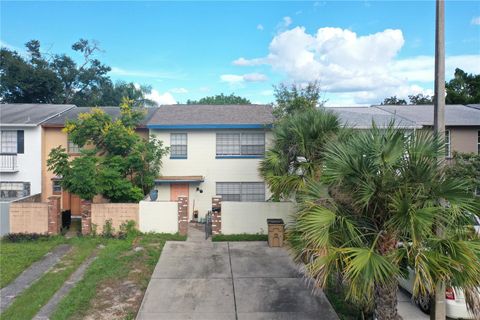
116,162
296,98
46,78
386,197
466,167
221,99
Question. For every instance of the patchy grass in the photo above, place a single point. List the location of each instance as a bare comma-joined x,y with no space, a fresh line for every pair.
114,284
27,304
345,309
240,237
15,257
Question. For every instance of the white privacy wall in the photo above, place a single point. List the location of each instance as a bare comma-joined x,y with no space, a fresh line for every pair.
158,216
201,161
251,217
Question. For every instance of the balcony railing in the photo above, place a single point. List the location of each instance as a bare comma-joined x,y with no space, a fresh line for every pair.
8,162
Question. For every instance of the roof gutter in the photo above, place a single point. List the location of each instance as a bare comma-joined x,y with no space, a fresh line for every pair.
208,126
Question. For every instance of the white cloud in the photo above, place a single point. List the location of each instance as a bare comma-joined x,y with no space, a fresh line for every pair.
475,21
260,27
284,24
237,79
161,98
144,74
179,90
266,93
363,67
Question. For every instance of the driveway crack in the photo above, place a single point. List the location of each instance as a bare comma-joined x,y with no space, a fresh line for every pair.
233,282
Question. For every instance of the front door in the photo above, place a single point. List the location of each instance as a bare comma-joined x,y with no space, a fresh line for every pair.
177,190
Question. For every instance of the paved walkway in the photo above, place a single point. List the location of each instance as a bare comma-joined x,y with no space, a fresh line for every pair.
229,280
408,309
49,308
27,277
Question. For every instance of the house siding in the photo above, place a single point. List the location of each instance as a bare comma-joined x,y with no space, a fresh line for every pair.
202,161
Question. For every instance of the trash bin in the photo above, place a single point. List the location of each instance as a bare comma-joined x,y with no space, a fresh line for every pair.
276,229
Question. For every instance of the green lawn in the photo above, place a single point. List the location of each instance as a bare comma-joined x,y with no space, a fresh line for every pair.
121,270
39,293
116,280
240,237
16,257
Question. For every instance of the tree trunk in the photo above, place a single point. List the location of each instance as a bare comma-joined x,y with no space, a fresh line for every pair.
386,301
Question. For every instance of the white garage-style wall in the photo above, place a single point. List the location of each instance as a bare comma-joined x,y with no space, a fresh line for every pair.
251,217
158,216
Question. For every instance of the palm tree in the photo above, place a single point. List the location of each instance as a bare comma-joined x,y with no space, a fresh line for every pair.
297,150
387,190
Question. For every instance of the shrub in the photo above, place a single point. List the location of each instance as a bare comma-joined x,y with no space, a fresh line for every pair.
108,230
21,237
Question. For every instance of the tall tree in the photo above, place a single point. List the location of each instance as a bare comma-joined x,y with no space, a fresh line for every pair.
221,99
464,88
384,190
296,155
296,97
40,78
393,100
420,99
116,162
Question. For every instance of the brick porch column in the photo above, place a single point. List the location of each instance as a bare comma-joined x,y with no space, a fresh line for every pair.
183,215
216,215
86,209
54,223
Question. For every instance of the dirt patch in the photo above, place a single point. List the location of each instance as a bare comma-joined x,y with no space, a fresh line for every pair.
121,298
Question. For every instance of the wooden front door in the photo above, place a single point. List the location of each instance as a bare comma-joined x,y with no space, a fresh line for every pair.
75,205
177,190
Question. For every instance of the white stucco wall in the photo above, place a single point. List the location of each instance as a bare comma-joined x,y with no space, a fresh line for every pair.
251,217
159,216
201,161
30,162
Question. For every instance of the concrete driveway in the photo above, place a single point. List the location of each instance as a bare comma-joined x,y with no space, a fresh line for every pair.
229,280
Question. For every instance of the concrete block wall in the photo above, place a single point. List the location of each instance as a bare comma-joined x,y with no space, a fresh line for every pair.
118,213
29,217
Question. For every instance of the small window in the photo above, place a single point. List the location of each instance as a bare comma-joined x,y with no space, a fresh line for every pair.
72,147
14,189
241,144
478,142
56,187
448,153
178,145
9,141
241,191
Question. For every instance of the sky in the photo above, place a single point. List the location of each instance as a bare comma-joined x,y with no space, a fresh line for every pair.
359,51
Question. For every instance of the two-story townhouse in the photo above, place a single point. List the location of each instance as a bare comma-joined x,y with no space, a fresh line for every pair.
214,150
54,136
21,147
462,124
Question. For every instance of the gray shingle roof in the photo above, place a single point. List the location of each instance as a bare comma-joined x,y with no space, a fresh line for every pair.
362,117
17,114
455,114
171,115
72,114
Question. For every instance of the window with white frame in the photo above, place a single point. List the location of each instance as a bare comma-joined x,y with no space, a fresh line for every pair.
448,153
178,146
9,189
478,142
241,191
72,147
9,141
241,144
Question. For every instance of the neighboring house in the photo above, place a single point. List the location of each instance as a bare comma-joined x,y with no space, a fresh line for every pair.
214,150
462,124
364,117
53,136
21,147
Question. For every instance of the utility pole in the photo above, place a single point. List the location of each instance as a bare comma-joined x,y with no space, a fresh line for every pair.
438,305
